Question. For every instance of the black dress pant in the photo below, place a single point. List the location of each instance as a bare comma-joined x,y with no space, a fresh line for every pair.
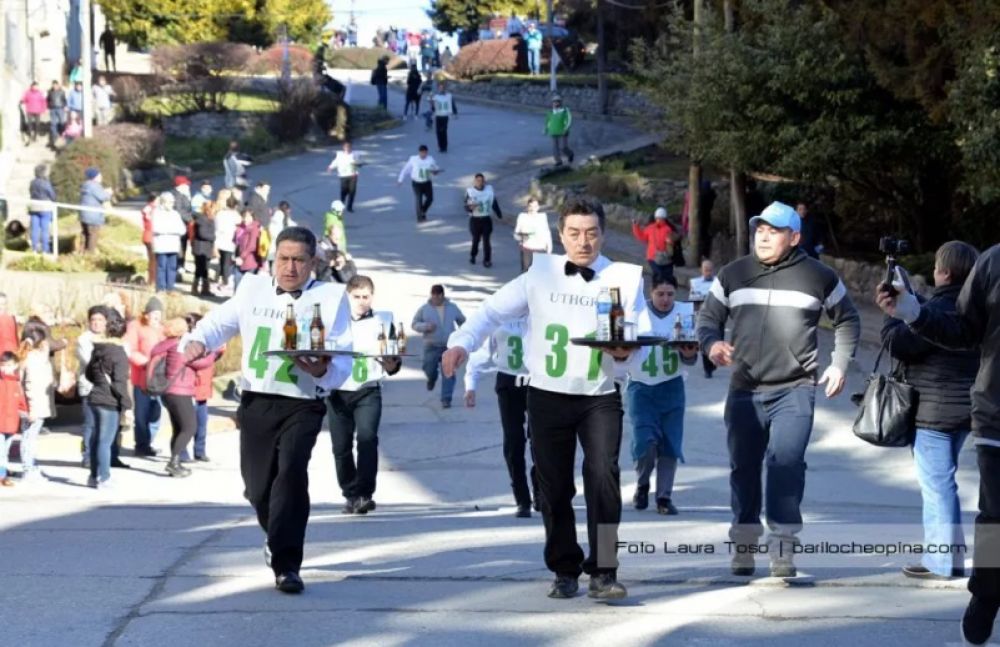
277,435
441,130
985,580
481,227
513,401
423,196
348,189
360,412
557,422
183,421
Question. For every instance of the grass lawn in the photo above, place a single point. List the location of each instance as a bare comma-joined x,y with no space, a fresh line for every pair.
167,105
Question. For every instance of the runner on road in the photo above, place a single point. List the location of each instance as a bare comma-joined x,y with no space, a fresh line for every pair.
347,162
282,409
444,106
421,168
479,202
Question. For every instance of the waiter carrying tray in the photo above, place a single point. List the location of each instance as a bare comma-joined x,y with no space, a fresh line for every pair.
281,409
571,394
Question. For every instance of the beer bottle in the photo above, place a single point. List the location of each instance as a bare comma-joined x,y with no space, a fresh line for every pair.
678,329
617,316
382,340
317,333
291,329
401,339
393,340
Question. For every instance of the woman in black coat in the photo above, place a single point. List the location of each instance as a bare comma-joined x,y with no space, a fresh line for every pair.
203,247
942,379
413,83
108,370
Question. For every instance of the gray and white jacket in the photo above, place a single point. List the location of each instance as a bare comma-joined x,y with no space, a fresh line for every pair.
775,311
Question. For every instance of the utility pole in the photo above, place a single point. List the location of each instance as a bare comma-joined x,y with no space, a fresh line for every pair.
737,178
602,61
552,52
86,55
694,171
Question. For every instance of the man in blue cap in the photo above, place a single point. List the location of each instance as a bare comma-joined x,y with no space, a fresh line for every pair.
775,297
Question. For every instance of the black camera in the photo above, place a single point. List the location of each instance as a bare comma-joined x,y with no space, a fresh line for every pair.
893,246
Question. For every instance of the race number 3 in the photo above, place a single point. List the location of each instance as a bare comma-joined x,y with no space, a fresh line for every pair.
515,358
556,361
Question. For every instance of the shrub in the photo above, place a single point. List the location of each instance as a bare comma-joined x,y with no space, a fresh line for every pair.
296,101
612,182
269,61
361,58
199,74
138,146
68,170
485,57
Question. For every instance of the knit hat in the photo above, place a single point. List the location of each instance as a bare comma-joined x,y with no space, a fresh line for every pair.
660,213
153,305
181,179
91,172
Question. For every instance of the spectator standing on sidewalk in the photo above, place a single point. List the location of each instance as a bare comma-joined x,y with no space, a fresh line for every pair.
479,202
436,320
533,41
141,335
659,238
108,372
147,212
234,169
975,323
107,42
168,232
532,233
413,83
39,390
74,101
34,107
444,107
257,203
56,102
202,394
13,411
203,247
97,323
8,327
699,287
247,258
227,220
421,168
93,194
41,190
558,122
380,79
182,203
943,379
769,408
347,162
204,195
103,93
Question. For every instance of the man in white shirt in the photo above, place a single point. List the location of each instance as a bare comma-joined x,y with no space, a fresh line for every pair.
533,233
479,202
420,168
281,409
572,395
347,163
444,106
698,290
102,101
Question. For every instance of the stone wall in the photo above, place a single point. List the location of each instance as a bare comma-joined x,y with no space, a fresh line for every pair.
232,123
621,103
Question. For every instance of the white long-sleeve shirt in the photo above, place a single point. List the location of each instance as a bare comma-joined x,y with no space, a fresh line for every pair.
257,313
533,228
503,352
558,308
420,169
168,227
345,163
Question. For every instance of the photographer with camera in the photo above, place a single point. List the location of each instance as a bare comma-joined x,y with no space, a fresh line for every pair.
975,322
942,380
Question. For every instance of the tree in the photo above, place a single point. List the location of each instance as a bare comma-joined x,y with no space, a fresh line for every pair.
450,16
304,20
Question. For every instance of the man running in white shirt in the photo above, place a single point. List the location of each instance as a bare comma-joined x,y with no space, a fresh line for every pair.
420,168
479,201
444,106
347,162
699,287
532,233
504,351
281,409
572,396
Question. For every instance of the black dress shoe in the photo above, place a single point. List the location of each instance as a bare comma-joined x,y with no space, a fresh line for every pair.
977,623
350,505
364,505
604,586
665,506
523,511
289,582
742,565
487,263
147,452
640,500
564,587
120,465
917,571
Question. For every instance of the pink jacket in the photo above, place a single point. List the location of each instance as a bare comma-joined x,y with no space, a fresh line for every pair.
182,374
139,340
34,102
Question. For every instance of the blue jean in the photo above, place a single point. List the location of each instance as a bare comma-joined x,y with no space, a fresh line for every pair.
935,455
657,414
383,96
88,426
41,221
772,428
166,272
5,442
147,418
29,444
201,431
534,60
432,359
57,119
100,448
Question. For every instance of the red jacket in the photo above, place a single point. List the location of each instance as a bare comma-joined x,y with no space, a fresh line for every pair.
656,235
140,340
12,404
147,223
203,378
182,384
8,334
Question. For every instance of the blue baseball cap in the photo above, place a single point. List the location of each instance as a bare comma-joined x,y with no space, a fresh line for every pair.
780,216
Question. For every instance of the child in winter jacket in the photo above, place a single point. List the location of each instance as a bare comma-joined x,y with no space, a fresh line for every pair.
13,407
39,390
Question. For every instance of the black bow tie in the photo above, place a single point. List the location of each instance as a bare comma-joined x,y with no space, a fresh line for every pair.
295,293
585,273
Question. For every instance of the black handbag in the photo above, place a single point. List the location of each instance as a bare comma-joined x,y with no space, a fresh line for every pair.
888,409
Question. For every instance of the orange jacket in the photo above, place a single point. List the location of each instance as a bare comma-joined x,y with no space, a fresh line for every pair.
203,378
140,339
656,235
12,404
8,334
